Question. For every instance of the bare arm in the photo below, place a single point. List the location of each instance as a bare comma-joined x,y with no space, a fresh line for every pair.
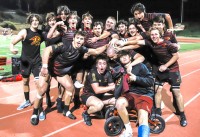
102,36
20,36
174,58
53,31
96,51
169,21
101,89
138,58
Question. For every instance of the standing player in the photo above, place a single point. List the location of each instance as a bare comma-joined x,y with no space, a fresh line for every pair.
30,56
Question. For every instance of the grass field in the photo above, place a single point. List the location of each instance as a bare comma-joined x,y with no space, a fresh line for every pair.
6,40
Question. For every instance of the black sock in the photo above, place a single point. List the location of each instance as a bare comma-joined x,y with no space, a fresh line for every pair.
182,114
66,108
35,111
158,111
26,95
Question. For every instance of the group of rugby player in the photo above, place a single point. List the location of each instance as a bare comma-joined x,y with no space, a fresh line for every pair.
80,58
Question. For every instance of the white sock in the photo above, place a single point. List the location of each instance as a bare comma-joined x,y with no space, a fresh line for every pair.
68,112
128,126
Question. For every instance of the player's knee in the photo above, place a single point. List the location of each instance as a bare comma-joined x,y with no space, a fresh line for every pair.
120,104
99,105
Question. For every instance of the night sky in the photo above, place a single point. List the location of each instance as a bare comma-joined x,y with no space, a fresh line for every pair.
101,9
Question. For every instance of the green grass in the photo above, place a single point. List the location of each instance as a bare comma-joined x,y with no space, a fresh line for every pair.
5,51
5,41
188,47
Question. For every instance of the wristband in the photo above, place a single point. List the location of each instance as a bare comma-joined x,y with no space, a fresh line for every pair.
45,65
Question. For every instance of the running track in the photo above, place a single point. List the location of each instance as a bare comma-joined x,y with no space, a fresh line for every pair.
15,123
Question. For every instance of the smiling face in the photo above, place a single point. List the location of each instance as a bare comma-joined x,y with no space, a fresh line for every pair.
132,30
52,21
122,28
125,59
101,66
63,16
155,35
34,23
97,30
110,24
159,26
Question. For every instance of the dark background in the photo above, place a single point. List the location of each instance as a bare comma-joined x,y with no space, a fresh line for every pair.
101,9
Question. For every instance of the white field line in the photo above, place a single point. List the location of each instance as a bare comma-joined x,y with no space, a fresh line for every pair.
59,130
189,62
186,104
71,125
23,93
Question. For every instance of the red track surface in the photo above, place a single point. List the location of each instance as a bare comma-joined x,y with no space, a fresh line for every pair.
15,123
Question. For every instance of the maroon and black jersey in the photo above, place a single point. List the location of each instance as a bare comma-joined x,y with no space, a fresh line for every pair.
147,20
31,45
69,35
112,32
169,36
94,77
64,58
125,35
163,52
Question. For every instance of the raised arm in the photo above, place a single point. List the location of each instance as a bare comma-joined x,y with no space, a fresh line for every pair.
169,21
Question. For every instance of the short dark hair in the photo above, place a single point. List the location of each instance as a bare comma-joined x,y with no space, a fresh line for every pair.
87,14
102,57
159,19
98,23
50,15
79,32
63,8
73,13
122,22
154,28
29,19
123,53
138,6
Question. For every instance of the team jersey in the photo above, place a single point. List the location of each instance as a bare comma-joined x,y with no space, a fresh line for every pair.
94,77
31,45
69,35
64,58
163,52
147,20
169,36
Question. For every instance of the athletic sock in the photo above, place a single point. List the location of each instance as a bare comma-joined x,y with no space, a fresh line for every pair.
128,126
143,131
182,114
35,111
26,95
66,108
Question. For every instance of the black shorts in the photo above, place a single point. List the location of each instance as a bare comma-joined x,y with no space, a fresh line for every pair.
85,96
173,78
28,67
